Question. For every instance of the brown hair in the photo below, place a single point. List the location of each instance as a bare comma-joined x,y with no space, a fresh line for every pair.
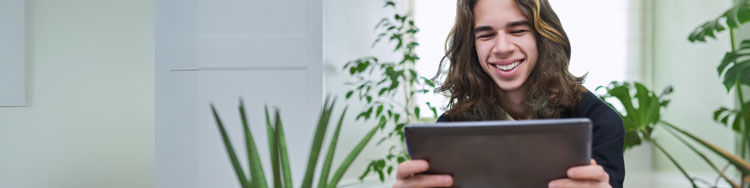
552,89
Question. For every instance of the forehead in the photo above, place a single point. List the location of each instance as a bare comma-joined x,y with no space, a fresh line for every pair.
497,13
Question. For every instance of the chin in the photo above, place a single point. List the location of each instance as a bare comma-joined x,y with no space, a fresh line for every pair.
505,86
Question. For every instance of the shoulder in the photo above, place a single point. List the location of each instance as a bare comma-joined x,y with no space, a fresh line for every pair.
595,109
444,118
607,123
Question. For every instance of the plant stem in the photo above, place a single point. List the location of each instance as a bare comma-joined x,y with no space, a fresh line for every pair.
723,170
737,85
731,38
703,156
679,167
740,95
746,120
743,150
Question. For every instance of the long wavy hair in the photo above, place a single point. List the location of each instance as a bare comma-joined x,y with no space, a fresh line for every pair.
552,90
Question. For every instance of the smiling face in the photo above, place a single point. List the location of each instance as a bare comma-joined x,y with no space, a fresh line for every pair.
505,43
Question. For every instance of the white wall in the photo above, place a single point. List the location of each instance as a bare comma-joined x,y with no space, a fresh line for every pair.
89,121
12,56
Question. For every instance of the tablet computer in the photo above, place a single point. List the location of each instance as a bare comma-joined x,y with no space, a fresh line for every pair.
525,153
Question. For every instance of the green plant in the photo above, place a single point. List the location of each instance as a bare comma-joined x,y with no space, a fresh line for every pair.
388,88
734,67
278,152
641,116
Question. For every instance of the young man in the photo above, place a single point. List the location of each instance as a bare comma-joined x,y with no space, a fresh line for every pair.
509,60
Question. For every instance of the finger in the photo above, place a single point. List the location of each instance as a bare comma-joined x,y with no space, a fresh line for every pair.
569,183
426,181
588,172
411,167
593,162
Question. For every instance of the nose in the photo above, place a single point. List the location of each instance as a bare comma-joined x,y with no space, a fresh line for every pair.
503,47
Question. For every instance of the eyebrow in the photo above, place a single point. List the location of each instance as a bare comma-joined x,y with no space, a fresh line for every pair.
510,24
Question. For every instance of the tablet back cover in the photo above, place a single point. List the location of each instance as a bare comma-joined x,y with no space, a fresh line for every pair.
526,153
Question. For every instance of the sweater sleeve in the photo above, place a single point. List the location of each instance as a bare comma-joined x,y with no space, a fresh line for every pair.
608,137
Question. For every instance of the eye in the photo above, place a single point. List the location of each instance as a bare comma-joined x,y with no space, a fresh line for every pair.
518,32
486,36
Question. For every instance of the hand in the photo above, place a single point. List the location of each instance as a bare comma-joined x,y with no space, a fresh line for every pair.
591,175
405,176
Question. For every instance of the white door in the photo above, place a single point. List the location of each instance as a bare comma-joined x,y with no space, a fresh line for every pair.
267,52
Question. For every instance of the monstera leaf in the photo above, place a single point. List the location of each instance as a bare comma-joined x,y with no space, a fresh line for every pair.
735,66
733,17
642,109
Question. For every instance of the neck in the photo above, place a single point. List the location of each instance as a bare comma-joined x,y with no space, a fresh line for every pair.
513,102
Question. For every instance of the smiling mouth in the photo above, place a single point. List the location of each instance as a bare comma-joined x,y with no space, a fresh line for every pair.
509,67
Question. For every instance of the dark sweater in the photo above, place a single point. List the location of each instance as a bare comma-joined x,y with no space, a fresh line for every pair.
608,135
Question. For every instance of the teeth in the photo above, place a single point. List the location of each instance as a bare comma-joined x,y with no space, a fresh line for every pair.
508,67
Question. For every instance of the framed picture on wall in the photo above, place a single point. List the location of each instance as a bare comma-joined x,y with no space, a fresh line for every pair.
12,53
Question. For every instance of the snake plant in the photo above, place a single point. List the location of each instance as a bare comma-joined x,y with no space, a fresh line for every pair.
281,169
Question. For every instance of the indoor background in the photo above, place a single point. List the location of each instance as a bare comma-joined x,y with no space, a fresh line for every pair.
116,93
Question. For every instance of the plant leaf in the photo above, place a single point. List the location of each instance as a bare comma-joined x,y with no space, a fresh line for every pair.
733,74
718,112
286,170
350,158
745,44
646,108
744,73
256,167
317,142
390,3
433,109
382,91
743,14
273,147
379,110
632,138
367,171
708,29
323,179
700,32
230,151
736,15
729,57
731,16
382,121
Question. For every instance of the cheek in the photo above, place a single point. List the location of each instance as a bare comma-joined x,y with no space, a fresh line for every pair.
482,50
531,49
